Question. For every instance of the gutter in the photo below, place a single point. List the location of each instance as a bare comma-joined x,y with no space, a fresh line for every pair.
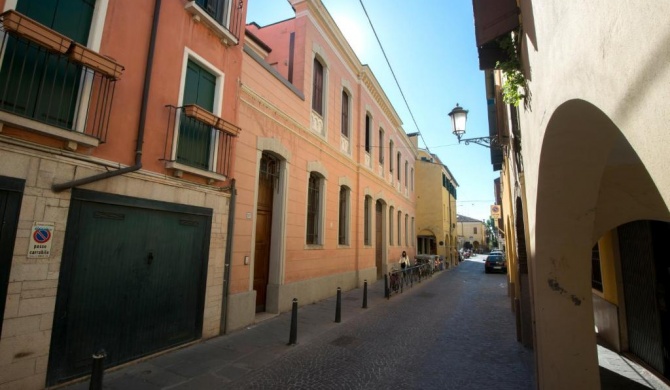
223,327
143,117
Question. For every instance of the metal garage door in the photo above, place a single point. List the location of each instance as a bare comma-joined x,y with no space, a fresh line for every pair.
11,193
132,280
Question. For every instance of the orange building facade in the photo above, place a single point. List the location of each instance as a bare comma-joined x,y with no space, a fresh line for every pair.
324,170
118,126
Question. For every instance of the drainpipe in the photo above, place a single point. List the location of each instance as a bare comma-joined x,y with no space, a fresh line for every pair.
223,327
142,122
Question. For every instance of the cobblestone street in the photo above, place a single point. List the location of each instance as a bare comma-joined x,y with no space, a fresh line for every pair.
454,332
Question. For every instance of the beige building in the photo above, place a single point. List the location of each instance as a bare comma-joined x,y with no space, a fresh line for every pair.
584,179
470,230
435,207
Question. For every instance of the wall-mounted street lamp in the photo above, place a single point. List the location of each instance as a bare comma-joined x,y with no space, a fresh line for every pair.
458,118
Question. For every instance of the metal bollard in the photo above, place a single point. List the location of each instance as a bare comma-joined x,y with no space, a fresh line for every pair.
365,294
338,306
97,370
293,337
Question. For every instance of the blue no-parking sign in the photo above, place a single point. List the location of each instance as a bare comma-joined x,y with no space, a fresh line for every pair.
41,237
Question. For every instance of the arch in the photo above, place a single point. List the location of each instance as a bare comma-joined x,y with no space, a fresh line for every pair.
589,180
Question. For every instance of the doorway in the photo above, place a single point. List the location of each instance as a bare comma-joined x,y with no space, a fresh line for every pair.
268,179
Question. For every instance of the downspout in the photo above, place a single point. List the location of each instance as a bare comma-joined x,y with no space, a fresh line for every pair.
223,327
143,118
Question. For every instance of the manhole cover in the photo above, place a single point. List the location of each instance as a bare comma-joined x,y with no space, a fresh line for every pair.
343,341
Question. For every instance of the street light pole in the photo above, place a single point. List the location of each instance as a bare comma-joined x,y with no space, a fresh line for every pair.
459,117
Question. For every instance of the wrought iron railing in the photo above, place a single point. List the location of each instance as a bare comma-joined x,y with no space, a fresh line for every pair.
50,86
198,139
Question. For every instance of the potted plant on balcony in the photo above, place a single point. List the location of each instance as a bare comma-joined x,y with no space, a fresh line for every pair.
196,112
96,61
18,24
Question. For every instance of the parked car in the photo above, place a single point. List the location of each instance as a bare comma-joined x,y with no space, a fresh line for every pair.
495,262
497,252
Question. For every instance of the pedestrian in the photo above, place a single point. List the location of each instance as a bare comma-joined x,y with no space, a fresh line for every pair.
404,261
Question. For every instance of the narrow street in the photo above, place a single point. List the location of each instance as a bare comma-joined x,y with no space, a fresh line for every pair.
454,332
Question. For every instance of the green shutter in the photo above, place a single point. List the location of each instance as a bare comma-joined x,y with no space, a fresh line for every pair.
195,137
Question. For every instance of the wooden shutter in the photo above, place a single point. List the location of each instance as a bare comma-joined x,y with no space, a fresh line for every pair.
317,88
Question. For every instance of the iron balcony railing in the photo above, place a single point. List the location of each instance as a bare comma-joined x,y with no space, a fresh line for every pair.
57,86
197,138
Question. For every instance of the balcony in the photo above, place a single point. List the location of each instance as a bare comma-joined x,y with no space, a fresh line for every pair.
199,142
223,17
52,85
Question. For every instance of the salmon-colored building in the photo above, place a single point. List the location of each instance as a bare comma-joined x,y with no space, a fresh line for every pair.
118,123
324,170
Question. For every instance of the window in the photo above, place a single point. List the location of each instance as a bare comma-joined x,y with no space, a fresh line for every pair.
317,88
391,156
381,146
398,165
411,180
36,83
406,176
219,10
314,191
399,225
474,230
391,216
406,231
195,137
345,114
343,231
413,236
368,135
367,221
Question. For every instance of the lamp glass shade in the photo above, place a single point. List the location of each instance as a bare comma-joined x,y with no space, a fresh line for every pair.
458,118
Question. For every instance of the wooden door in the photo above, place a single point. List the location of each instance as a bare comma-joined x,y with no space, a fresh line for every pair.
379,258
266,184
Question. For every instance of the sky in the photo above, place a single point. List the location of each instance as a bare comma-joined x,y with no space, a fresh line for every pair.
430,45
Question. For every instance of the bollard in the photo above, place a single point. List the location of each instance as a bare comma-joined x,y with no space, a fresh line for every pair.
365,294
338,306
386,286
293,337
97,370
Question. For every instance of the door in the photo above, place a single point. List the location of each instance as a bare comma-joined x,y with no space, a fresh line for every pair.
132,281
267,178
11,193
379,243
40,85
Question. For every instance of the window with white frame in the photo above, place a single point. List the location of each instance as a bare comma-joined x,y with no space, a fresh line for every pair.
219,10
343,227
391,156
381,146
318,93
406,231
368,133
314,209
346,108
367,221
398,165
399,225
406,176
391,217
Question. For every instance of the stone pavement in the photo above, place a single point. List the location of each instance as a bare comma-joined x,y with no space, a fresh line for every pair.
454,330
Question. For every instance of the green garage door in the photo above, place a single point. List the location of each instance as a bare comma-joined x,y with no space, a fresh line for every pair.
132,281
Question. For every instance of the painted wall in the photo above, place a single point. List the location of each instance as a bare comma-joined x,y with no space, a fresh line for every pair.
277,117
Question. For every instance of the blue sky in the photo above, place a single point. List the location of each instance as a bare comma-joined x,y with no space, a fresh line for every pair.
431,47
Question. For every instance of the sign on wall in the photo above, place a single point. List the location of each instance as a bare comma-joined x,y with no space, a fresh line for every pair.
41,236
495,211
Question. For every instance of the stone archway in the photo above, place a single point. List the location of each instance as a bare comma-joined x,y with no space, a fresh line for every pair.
589,180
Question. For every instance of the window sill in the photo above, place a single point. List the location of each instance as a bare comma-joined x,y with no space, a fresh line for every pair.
32,125
313,246
343,246
181,168
227,38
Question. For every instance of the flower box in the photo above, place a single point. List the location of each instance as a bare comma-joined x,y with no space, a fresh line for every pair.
95,61
16,23
200,114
